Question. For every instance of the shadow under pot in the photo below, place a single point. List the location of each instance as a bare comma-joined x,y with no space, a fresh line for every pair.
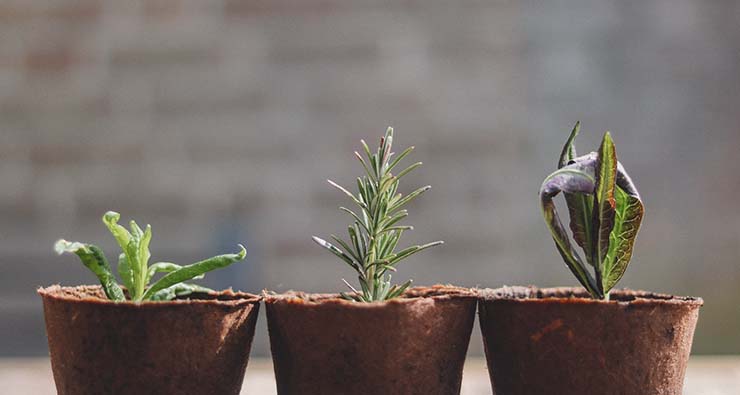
560,341
198,345
414,344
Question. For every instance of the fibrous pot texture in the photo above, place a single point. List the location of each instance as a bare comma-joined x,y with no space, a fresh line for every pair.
415,344
198,345
560,341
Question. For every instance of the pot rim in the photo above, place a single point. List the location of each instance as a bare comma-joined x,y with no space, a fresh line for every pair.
93,295
436,292
533,295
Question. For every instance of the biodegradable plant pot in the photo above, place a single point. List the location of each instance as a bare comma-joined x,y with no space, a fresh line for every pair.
198,345
415,344
559,341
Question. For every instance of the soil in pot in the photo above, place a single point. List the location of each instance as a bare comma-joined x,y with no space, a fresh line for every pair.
559,341
198,345
415,344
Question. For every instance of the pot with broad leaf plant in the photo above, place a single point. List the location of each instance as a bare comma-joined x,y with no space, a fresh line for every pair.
378,337
594,339
147,336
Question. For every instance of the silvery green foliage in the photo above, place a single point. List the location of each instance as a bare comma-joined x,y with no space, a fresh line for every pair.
375,231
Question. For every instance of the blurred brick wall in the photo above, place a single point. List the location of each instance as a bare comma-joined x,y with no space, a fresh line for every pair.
218,122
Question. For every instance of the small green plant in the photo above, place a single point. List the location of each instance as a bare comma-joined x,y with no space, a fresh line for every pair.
375,232
605,214
133,267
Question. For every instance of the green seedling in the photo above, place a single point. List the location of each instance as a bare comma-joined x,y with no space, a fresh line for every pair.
133,265
375,231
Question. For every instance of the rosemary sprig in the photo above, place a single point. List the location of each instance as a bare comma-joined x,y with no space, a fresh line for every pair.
375,231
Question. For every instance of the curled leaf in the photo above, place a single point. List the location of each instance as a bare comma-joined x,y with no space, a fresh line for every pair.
571,181
94,259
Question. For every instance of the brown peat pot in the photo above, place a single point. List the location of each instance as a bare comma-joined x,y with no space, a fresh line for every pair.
198,345
559,341
415,344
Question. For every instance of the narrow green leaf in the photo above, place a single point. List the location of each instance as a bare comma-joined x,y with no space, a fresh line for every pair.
400,157
394,219
364,165
399,290
350,286
408,170
336,251
191,271
396,229
389,244
346,247
569,149
348,193
386,183
409,197
413,250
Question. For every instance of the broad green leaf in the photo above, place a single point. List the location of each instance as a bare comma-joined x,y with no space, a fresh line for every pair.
580,207
570,181
628,217
94,259
196,269
604,204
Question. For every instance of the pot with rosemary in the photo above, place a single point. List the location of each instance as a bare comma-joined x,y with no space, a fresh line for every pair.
144,334
377,337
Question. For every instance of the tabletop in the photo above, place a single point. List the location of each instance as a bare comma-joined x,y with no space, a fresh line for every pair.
706,375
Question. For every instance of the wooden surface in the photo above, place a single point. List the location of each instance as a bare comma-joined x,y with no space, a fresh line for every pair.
706,375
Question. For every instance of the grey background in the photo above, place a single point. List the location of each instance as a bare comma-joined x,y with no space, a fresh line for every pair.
218,122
